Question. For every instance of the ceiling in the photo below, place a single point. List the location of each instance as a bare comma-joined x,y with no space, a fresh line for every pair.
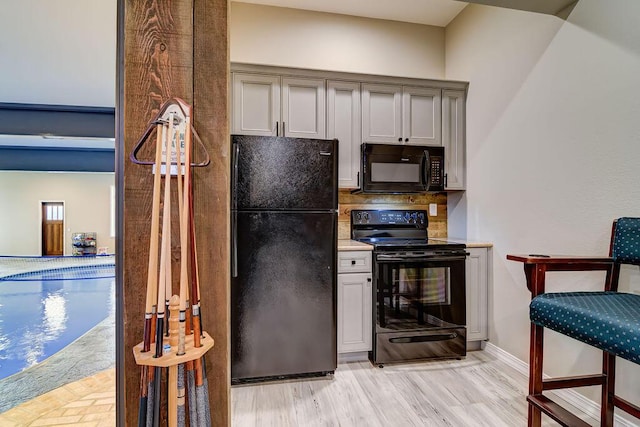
428,12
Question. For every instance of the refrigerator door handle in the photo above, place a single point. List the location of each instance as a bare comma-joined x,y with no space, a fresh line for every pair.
234,244
234,213
325,153
234,177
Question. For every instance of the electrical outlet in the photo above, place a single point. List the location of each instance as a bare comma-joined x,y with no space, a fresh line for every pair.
433,209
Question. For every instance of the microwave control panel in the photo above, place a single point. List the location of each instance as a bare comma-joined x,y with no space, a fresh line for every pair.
436,171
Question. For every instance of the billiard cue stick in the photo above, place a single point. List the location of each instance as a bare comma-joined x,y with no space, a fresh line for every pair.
184,278
201,387
193,297
165,273
152,278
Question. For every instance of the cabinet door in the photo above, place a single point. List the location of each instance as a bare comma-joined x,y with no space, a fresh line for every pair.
256,104
354,312
477,271
381,113
421,118
453,138
343,123
303,108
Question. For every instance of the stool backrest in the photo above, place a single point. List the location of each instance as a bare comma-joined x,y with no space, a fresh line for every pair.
625,241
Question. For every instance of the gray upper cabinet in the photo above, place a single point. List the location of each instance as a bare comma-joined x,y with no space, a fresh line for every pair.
395,114
421,116
353,108
381,113
256,104
271,105
453,138
343,123
303,108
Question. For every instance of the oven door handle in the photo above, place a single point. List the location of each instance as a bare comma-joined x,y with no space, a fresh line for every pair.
423,338
419,258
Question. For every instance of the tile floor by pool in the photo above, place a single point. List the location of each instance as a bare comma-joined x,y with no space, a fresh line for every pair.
89,402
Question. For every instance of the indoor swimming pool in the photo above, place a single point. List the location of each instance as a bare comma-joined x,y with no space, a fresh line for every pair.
43,312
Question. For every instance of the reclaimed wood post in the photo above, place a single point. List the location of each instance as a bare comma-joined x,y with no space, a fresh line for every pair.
174,49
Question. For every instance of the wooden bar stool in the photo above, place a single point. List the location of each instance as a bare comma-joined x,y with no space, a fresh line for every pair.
608,320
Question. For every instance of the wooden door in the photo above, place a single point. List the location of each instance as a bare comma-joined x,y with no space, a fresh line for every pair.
52,228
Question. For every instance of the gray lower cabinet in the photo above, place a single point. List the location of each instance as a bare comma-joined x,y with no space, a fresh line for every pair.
478,273
354,301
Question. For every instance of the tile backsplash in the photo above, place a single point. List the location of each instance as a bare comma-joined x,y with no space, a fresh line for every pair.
348,201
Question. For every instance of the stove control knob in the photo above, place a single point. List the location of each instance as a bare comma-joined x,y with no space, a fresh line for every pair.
407,217
421,216
365,216
358,217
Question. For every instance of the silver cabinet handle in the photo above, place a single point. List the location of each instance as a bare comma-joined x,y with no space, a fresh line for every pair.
325,153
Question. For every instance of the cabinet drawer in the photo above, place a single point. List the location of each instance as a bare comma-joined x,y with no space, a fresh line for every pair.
354,262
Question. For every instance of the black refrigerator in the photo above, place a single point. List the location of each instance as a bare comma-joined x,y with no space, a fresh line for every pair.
284,201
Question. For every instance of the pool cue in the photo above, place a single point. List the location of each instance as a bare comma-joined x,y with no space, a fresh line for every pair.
193,295
182,417
181,312
173,135
184,242
152,278
191,394
201,386
165,271
172,383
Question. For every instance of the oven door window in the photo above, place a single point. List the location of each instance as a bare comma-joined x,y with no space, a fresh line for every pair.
427,286
420,295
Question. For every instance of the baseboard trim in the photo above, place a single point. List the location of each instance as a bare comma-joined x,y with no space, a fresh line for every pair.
358,356
572,397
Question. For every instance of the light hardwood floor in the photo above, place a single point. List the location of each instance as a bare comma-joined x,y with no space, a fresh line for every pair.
476,391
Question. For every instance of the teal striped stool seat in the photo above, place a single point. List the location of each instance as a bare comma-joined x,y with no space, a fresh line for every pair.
609,321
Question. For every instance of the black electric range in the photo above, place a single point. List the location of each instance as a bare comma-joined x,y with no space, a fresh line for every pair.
419,287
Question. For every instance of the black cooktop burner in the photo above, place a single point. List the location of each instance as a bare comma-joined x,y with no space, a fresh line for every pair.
411,244
394,230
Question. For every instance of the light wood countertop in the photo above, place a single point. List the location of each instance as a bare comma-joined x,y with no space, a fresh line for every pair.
353,245
468,243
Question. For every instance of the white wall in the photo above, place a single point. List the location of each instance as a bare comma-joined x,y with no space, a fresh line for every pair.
553,144
58,52
305,39
86,198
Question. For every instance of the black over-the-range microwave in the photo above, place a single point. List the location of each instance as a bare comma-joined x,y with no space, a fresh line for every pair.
388,168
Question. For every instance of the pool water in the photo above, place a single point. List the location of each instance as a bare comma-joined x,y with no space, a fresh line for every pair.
40,317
